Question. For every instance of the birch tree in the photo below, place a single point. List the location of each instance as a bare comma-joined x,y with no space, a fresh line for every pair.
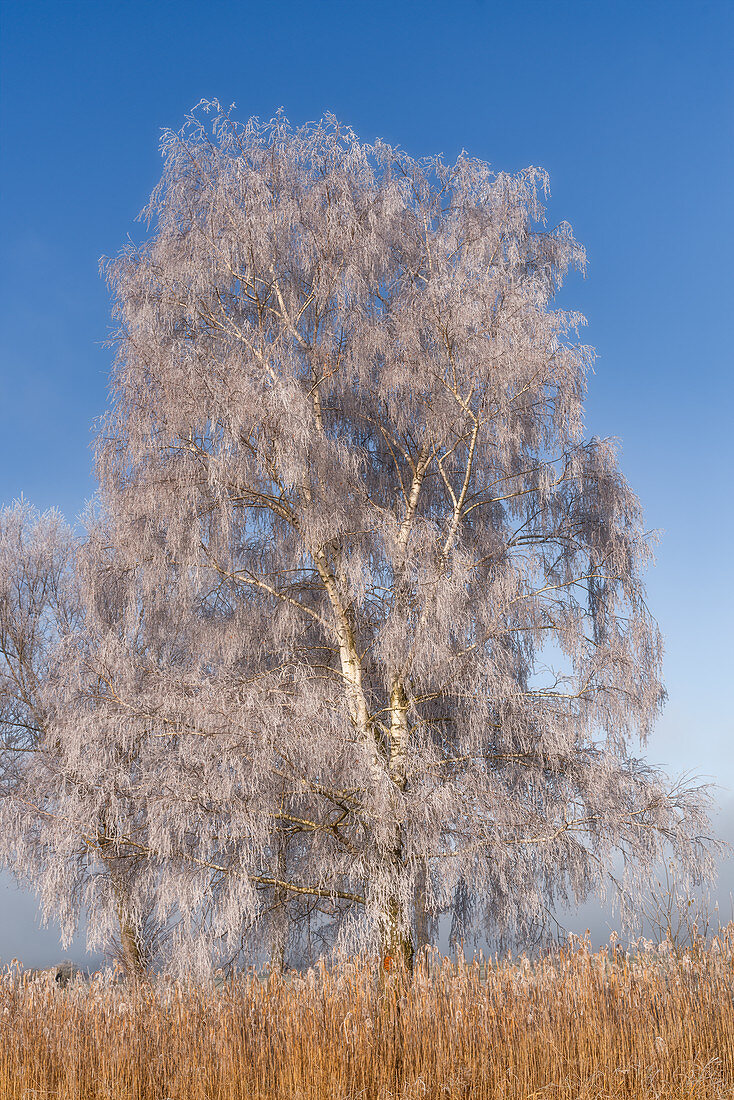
345,447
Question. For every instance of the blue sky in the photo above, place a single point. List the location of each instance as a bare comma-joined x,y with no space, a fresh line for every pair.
629,106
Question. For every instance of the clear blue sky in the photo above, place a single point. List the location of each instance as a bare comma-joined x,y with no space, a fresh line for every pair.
628,105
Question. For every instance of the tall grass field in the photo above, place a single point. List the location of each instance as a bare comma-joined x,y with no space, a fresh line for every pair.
575,1025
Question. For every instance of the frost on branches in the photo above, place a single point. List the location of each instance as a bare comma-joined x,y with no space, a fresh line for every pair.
66,826
378,645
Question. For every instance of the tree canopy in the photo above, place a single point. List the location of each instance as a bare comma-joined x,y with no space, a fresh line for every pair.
371,644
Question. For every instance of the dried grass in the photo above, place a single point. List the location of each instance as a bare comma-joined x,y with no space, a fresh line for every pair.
575,1026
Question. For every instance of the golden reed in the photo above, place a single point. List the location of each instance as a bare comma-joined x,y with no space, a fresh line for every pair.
577,1025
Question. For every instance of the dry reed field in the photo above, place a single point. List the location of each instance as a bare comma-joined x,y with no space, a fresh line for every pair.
578,1025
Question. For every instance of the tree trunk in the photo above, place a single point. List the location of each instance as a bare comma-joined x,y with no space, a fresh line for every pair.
133,959
422,919
279,930
277,950
397,946
131,947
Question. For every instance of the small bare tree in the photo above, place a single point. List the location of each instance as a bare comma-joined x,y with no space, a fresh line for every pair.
346,466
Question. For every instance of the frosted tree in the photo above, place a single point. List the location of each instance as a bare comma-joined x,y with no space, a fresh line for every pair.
61,821
39,604
346,463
